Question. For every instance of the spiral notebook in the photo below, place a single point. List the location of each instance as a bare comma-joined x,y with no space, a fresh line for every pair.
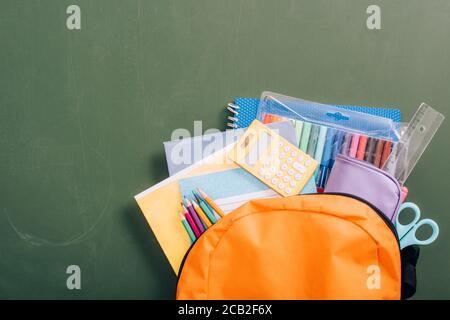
243,111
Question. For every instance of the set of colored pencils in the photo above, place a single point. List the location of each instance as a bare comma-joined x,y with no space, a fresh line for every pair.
198,213
324,143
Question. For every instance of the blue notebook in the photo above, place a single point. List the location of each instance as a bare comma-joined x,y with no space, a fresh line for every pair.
244,110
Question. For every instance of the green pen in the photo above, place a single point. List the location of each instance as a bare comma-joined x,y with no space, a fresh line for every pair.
305,136
298,131
313,137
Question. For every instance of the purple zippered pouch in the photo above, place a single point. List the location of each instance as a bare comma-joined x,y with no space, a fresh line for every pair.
361,179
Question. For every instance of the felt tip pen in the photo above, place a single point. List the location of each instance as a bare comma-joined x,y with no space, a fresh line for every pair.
345,149
378,153
354,146
326,156
313,137
370,150
305,136
386,153
319,148
339,138
298,131
361,147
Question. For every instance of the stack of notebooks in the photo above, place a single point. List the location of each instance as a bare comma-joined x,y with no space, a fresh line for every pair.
225,182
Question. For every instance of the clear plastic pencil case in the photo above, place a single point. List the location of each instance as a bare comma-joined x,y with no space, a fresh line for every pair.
324,131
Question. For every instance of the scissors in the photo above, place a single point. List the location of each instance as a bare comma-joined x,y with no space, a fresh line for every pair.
407,232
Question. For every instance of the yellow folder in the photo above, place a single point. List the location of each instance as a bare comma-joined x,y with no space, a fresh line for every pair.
160,205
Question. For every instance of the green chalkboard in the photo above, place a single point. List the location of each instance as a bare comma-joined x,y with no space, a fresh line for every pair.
83,114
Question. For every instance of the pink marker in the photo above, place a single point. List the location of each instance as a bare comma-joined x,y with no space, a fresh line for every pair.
354,146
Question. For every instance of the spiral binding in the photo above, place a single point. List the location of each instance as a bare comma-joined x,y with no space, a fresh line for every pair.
233,108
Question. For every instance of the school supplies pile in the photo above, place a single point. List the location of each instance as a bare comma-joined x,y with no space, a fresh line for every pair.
324,131
230,225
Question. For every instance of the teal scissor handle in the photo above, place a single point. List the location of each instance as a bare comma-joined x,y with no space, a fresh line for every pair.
403,229
407,233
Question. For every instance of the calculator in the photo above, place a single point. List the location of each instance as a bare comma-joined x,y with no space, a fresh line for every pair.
273,160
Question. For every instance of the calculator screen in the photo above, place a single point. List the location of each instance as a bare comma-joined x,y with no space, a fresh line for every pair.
258,148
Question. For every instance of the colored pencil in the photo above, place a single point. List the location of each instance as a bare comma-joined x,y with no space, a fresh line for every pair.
211,203
187,227
195,216
206,209
201,214
191,222
209,207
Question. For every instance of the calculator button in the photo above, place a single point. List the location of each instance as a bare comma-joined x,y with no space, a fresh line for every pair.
298,176
266,164
262,171
287,148
307,162
292,183
281,186
290,172
274,181
279,174
289,160
281,144
283,167
267,176
282,155
273,169
300,158
288,190
293,154
299,167
286,179
276,162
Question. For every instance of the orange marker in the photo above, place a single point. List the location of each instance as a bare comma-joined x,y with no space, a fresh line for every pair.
386,153
361,147
212,203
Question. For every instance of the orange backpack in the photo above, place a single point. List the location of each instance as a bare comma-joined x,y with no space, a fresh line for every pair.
319,246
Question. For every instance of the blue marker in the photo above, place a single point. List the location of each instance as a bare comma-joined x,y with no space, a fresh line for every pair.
336,146
326,157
